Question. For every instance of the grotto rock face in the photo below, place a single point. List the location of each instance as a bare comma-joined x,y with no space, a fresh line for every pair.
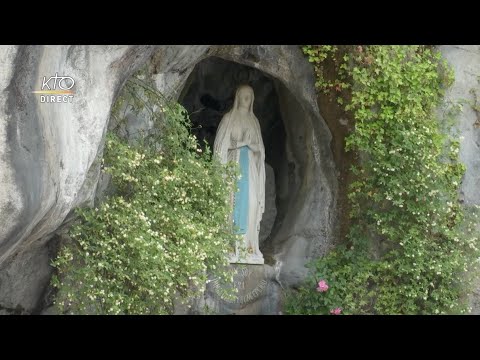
49,155
48,151
270,214
306,187
465,61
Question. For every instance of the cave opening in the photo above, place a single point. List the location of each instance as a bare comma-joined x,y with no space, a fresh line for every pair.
209,93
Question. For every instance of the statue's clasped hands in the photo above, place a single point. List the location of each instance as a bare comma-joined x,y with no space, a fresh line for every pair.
252,147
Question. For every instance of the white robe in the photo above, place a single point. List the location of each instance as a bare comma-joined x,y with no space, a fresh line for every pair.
238,127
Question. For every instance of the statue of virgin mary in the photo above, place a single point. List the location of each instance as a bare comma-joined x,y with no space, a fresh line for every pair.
239,139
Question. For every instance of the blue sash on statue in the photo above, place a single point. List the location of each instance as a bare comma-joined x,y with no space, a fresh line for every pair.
240,211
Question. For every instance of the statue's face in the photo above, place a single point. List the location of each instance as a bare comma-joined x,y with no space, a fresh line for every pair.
244,99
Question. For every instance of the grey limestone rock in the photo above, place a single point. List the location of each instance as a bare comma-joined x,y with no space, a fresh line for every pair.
49,153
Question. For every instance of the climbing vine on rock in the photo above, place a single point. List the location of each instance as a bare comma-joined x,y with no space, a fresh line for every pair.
164,230
411,248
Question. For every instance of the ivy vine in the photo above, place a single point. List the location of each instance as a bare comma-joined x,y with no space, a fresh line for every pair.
412,247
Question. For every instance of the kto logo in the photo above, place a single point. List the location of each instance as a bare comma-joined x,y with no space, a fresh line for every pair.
49,92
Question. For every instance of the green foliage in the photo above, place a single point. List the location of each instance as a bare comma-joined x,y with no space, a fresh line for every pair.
324,57
410,249
164,230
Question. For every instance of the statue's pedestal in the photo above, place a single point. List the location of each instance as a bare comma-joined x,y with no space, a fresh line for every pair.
249,259
256,292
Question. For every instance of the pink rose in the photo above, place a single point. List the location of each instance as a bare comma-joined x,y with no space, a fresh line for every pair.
336,311
322,286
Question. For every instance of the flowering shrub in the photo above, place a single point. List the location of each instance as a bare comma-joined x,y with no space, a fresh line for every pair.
163,231
410,248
